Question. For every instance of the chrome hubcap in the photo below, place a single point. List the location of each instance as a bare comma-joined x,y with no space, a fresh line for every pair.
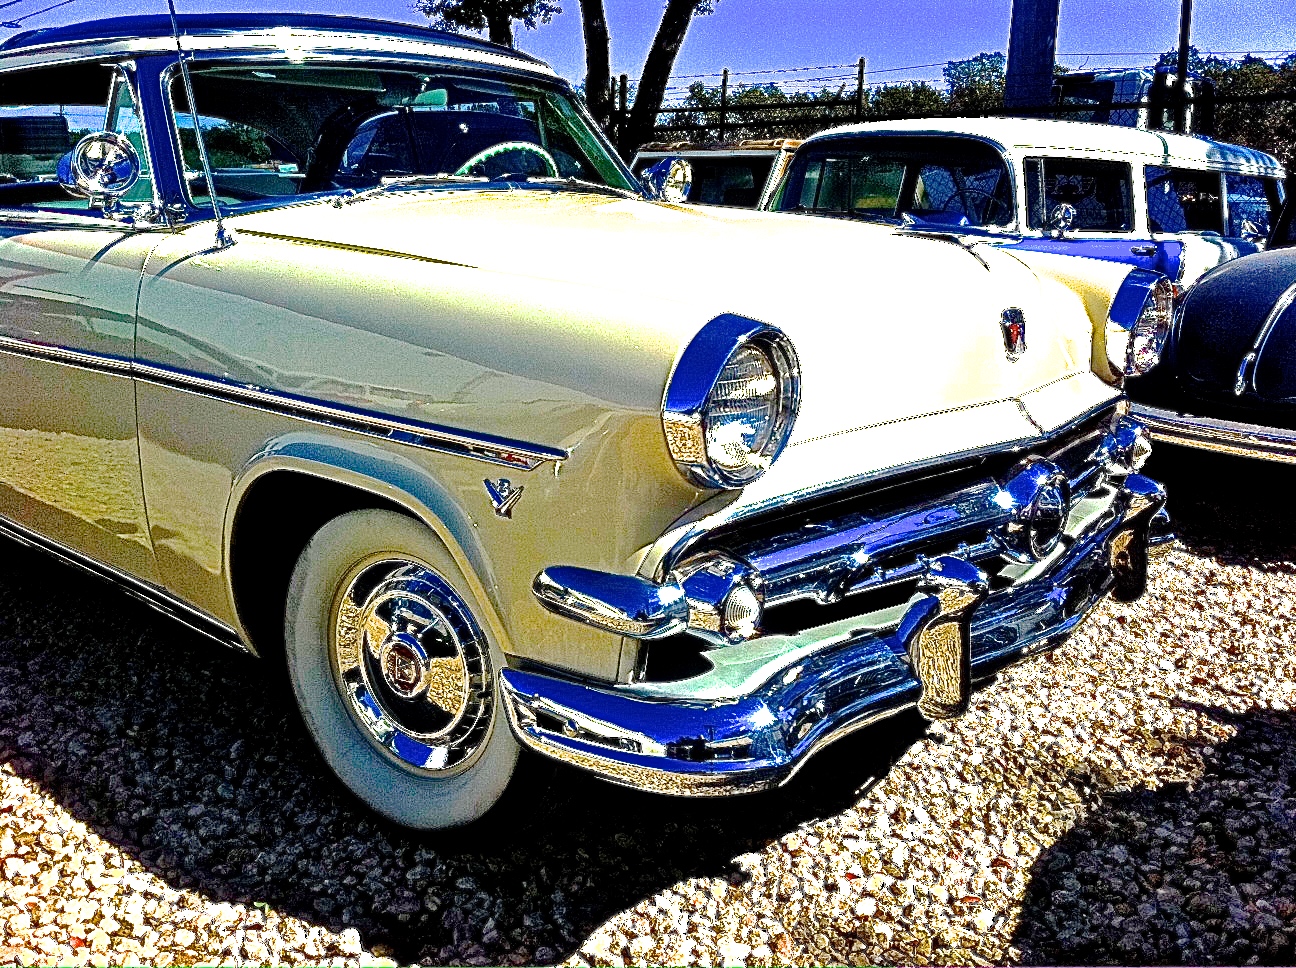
413,666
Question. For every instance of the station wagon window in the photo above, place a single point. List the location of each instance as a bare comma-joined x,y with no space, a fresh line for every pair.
1184,200
43,113
279,129
1253,204
729,181
950,180
1100,192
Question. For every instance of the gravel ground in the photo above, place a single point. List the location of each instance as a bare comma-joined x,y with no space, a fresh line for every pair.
1129,798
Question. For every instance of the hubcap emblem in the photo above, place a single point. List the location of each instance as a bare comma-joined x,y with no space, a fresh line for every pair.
401,661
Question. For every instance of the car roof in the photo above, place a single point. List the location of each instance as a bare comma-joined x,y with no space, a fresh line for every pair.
1050,135
106,32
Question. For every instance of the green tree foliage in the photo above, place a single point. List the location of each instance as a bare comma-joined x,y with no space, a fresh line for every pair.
976,85
496,17
915,99
1265,125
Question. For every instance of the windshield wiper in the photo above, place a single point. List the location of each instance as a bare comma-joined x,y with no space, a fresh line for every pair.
857,214
579,184
391,182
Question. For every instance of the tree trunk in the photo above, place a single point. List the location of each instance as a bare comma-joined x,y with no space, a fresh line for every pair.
500,29
656,73
598,60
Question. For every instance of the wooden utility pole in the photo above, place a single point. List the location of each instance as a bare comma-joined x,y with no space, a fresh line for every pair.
859,90
1181,82
1032,50
724,102
623,115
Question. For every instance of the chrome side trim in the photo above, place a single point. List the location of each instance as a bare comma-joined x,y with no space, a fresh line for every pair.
1221,436
151,595
495,450
484,447
101,362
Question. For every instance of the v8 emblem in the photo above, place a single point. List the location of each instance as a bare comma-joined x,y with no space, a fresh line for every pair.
503,495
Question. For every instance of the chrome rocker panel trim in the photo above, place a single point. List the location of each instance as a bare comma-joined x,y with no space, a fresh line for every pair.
699,748
1221,436
151,595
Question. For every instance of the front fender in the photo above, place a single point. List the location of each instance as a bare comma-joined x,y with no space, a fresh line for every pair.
370,467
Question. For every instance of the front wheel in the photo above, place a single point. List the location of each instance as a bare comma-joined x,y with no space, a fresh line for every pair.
394,671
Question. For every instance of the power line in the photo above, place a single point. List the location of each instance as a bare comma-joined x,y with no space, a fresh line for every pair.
16,23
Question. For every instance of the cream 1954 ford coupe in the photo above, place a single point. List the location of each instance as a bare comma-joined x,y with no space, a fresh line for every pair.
418,416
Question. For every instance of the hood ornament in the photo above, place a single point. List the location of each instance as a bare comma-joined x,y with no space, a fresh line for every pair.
503,495
1013,324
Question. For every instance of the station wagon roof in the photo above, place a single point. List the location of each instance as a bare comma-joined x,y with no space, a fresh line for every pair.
216,30
1082,136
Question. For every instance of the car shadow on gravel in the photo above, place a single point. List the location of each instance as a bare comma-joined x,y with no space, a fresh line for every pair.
1235,509
1195,874
189,758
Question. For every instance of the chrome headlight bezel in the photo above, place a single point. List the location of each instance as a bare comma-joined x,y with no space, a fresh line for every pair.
1139,324
690,389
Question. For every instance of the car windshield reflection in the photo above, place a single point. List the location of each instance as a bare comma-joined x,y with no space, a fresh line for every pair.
275,132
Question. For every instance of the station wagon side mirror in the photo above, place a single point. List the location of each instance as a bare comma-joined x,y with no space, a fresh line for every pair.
1252,233
102,167
670,180
1061,219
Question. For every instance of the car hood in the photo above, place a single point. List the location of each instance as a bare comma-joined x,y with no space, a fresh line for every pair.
889,327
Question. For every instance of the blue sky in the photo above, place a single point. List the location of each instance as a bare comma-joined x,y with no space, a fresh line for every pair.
758,35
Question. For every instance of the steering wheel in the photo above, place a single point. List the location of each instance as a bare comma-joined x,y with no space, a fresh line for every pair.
962,193
486,154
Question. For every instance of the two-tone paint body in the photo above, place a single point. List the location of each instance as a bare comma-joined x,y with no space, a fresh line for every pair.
182,415
1182,256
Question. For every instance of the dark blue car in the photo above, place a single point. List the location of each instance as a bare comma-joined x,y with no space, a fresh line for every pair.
1227,380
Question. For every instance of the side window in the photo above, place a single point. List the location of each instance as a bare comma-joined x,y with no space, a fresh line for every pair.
729,181
852,183
1253,204
1184,200
1099,191
972,195
43,113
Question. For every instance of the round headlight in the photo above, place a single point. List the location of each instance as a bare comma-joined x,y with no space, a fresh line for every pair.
731,402
742,412
1135,340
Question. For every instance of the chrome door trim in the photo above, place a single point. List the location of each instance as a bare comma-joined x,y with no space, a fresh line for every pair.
484,447
1222,436
158,599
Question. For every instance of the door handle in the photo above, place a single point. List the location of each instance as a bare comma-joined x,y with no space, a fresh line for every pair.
1143,250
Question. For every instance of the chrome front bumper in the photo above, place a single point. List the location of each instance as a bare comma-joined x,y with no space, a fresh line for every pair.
1222,436
758,739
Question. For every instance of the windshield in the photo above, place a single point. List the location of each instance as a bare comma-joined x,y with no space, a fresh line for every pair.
950,181
279,130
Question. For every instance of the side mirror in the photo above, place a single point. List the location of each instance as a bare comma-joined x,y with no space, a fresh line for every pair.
670,180
102,167
1252,233
1061,219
